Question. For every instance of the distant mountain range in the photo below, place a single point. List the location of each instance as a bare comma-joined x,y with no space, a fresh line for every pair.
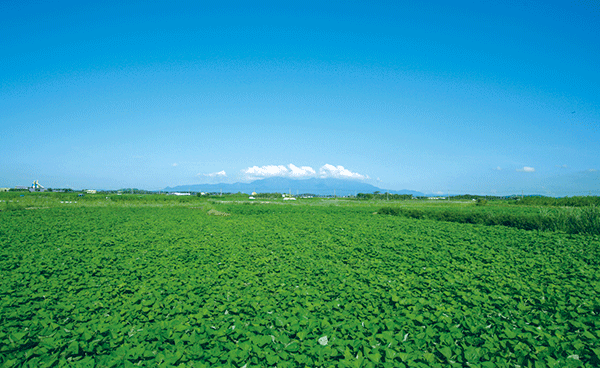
316,186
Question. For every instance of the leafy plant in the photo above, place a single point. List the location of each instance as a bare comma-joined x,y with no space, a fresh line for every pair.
291,285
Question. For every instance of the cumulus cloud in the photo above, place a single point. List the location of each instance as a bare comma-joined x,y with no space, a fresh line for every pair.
498,168
330,171
562,166
526,169
293,171
219,174
296,171
266,171
175,164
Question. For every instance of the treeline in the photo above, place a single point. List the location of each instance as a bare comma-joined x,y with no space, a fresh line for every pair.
383,196
572,220
578,201
267,195
470,197
461,197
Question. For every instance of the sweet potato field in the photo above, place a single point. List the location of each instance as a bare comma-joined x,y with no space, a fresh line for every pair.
290,286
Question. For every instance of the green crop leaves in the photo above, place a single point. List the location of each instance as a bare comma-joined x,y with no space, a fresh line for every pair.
287,286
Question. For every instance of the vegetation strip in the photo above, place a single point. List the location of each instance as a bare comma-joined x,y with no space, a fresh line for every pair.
575,220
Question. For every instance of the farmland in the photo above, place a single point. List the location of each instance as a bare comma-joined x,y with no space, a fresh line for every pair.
192,282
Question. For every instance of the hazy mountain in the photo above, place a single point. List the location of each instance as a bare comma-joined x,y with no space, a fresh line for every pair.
316,186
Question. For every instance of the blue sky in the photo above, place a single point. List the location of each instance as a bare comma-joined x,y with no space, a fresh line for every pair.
469,97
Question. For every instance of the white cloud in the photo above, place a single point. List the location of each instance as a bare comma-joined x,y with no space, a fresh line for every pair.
265,171
293,171
526,169
593,170
330,171
221,173
175,164
562,166
296,171
498,168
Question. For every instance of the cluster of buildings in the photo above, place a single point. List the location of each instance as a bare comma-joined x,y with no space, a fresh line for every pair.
35,187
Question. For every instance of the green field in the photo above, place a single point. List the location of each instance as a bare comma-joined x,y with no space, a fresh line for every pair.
223,282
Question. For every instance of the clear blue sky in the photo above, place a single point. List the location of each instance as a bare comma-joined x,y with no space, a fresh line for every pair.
467,97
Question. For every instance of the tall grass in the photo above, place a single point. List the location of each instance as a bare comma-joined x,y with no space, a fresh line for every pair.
578,220
572,220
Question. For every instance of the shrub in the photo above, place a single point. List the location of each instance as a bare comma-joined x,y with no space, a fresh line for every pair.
481,202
